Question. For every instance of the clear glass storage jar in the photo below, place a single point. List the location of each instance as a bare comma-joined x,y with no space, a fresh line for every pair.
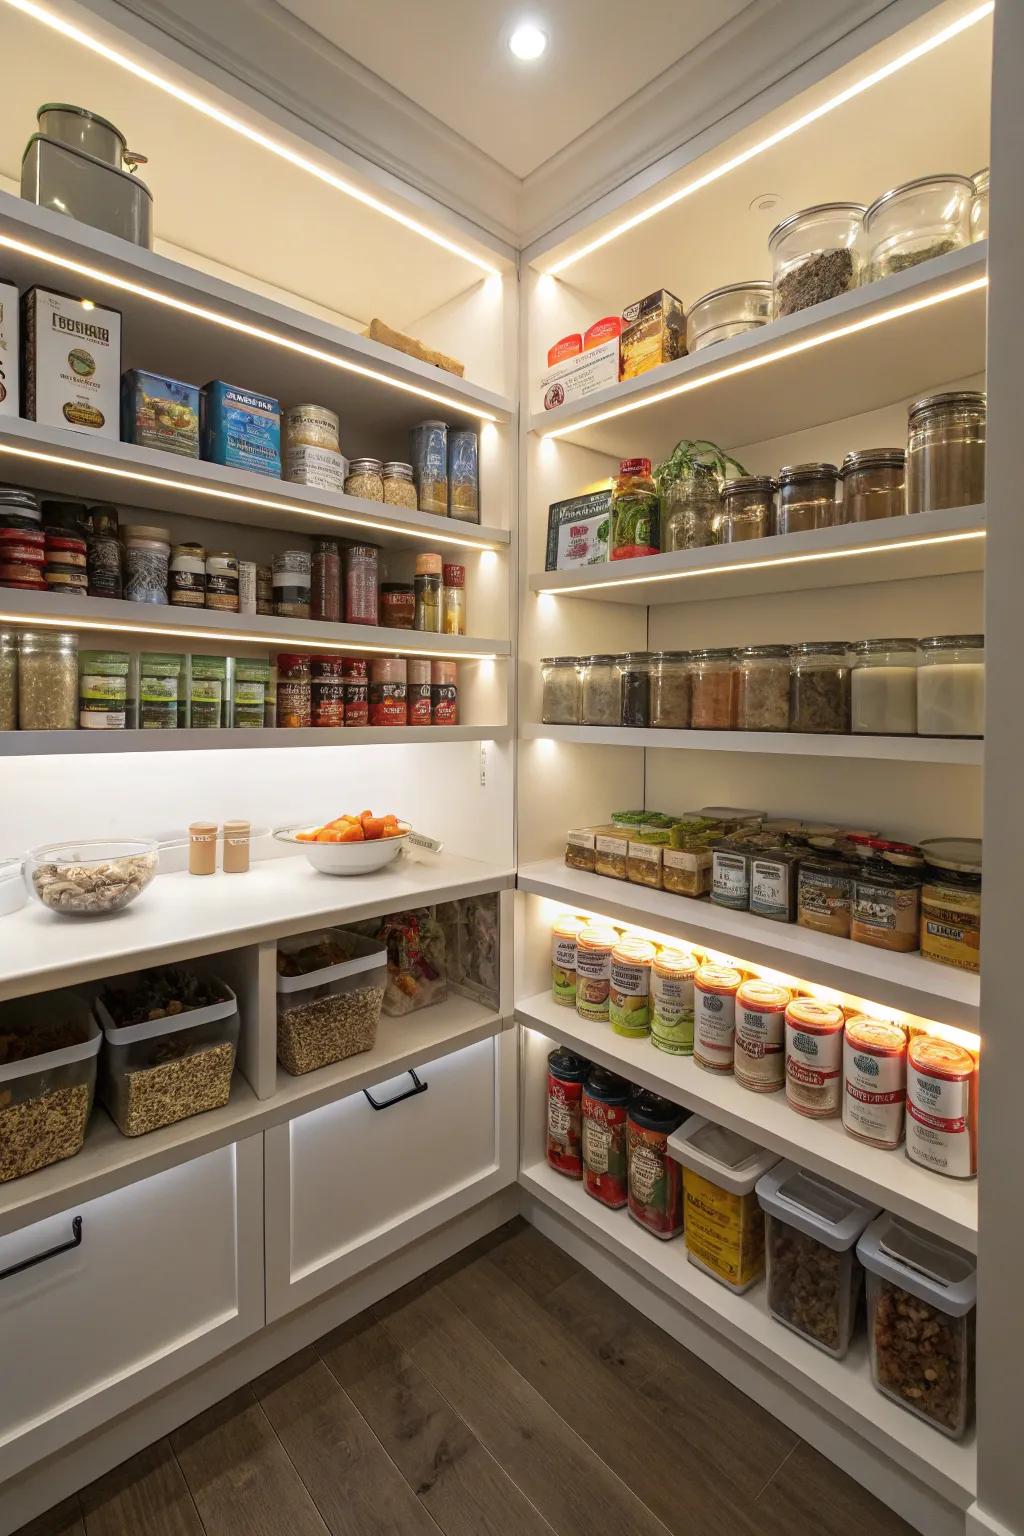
918,220
979,205
670,689
398,483
874,485
560,690
762,688
690,507
747,509
807,497
47,681
8,680
951,686
713,690
946,450
883,688
635,667
601,683
365,478
726,312
815,255
819,687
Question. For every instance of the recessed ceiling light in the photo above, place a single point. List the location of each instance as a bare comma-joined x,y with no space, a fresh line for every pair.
528,42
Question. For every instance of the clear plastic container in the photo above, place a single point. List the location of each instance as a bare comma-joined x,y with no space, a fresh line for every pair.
601,690
747,510
724,1225
883,688
874,485
48,1050
329,998
815,256
979,205
922,1294
762,702
560,690
713,690
807,497
814,1277
951,686
946,450
726,312
670,690
917,221
819,688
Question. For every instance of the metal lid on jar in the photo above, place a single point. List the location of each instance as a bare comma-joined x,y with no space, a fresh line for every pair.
952,643
453,575
942,179
872,458
142,533
787,224
636,658
973,399
716,653
962,854
429,565
599,661
365,466
749,483
821,648
765,652
871,647
394,469
559,661
664,656
790,472
754,286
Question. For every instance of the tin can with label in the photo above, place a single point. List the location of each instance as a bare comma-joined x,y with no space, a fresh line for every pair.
874,1081
760,1060
814,1057
714,1027
942,1107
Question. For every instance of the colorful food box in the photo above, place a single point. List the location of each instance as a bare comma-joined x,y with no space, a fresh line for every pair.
578,531
653,332
607,329
10,400
157,412
72,363
576,377
240,429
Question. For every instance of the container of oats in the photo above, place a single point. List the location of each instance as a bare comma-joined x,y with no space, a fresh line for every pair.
330,988
48,1051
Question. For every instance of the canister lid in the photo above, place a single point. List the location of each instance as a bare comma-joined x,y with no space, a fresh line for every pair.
428,565
952,642
655,1113
720,1155
718,978
607,1086
879,1037
974,399
870,647
767,652
749,483
814,1205
872,458
936,1057
365,466
943,179
926,1266
820,471
805,213
819,1018
756,286
566,1065
396,469
92,117
764,996
959,853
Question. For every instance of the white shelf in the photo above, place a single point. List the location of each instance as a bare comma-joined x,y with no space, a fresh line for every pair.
948,1207
843,1388
80,464
110,1161
862,350
76,743
896,749
907,983
855,554
180,916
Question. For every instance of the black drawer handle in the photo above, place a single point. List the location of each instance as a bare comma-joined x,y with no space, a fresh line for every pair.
410,1093
51,1253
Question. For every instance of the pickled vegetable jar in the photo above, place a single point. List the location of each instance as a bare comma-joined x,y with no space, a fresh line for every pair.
635,512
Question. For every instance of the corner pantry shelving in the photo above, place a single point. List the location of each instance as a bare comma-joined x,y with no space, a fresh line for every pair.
103,743
902,749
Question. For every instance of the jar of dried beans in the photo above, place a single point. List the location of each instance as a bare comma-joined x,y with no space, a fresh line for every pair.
713,690
605,1101
762,688
565,1112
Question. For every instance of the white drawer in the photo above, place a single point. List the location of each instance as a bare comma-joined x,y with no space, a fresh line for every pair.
349,1184
167,1274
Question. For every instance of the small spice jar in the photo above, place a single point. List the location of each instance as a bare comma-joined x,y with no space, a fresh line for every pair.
670,690
714,1026
883,688
946,450
815,255
759,1058
714,686
104,555
942,1106
188,576
388,691
874,485
762,688
560,691
748,509
807,497
594,944
951,902
635,669
605,1112
365,478
565,1112
564,933
819,687
397,605
355,674
327,690
886,910
47,681
293,578
453,620
814,1057
601,684
444,693
202,848
103,703
951,686
294,690
399,488
361,563
237,845
147,557
428,594
8,680
222,581
672,976
874,1081
325,585
418,690
629,997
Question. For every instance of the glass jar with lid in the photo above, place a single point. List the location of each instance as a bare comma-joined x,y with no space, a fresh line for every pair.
8,680
807,497
726,312
762,688
429,614
917,221
690,508
635,667
47,681
601,690
883,688
946,450
815,255
365,478
747,509
979,205
398,483
635,512
874,485
951,686
670,689
819,687
886,910
713,689
560,690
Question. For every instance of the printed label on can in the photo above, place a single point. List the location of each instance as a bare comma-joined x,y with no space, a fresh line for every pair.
760,1048
770,886
813,1070
593,982
444,703
714,1030
939,1131
564,1126
604,1151
629,998
563,969
730,880
388,704
672,1007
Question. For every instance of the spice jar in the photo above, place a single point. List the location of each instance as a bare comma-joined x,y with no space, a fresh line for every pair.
47,681
917,221
634,512
365,478
202,848
327,690
397,605
946,450
759,1057
672,976
560,691
723,1222
237,847
162,691
418,690
453,620
188,576
222,580
714,1024
356,679
444,693
979,205
601,690
104,555
103,690
293,579
564,933
388,691
428,594
747,509
325,585
886,910
670,690
714,687
655,1180
814,1057
361,576
605,1101
762,688
428,449
815,255
874,1081
951,686
8,681
874,485
635,671
594,945
807,497
294,690
883,688
942,1106
565,1112
399,490
629,997
147,556
951,902
819,687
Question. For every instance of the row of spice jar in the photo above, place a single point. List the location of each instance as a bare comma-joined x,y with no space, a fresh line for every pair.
353,691
884,687
746,1216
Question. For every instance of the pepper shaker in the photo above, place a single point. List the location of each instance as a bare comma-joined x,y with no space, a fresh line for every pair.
236,847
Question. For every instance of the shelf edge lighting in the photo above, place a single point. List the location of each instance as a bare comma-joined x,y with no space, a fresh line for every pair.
778,137
215,317
209,109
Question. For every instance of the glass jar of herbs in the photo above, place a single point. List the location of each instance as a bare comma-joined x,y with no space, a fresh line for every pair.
819,689
560,690
690,483
47,681
670,690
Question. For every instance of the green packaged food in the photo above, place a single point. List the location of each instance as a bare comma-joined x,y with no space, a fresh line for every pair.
161,691
208,692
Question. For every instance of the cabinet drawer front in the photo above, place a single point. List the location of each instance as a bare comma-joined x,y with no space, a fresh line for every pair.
166,1275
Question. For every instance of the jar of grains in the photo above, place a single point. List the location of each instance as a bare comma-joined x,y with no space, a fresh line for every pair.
47,681
807,497
670,689
147,558
601,690
293,580
325,589
8,680
814,1057
762,688
819,687
399,489
946,451
429,614
672,1001
951,686
560,695
747,510
365,478
444,693
356,677
294,690
635,667
883,688
397,605
389,703
594,945
714,685
327,690
714,1016
418,690
874,485
629,996
874,1081
222,581
760,1051
311,426
188,576
361,574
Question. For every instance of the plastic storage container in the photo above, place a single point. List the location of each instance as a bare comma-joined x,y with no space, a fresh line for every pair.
670,689
921,1309
815,255
917,221
814,1278
723,1222
762,702
330,987
726,312
714,681
48,1050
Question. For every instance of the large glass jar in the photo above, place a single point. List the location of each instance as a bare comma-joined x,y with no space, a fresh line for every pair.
747,509
951,686
726,312
47,681
815,256
325,590
689,511
670,689
713,688
8,680
762,688
602,690
819,687
635,512
635,667
946,451
874,485
560,690
365,478
916,221
399,486
979,205
807,497
883,688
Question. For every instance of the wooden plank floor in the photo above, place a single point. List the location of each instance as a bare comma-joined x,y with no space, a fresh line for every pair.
507,1393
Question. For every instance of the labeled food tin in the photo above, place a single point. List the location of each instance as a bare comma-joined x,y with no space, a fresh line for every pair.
251,685
655,1179
157,412
951,902
187,576
327,690
294,690
672,1001
730,875
629,998
594,945
605,1101
564,934
874,1081
428,453
714,1028
103,690
161,691
105,556
886,909
464,475
264,589
418,669
565,1112
240,428
814,1057
388,692
222,581
397,605
321,468
312,426
444,693
355,674
825,896
942,1106
773,884
760,1048
72,358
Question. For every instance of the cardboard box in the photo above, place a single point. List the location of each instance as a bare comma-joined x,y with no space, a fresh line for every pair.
607,329
577,377
157,412
10,394
578,531
653,332
71,363
240,429
569,346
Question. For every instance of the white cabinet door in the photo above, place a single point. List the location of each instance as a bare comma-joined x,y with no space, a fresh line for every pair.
167,1273
349,1184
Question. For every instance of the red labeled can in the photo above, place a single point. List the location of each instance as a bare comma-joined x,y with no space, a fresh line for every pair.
565,1112
354,672
328,690
605,1102
655,1179
942,1106
444,692
874,1081
418,690
388,690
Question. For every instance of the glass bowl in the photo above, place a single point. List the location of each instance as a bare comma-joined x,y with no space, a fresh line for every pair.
92,877
726,312
918,221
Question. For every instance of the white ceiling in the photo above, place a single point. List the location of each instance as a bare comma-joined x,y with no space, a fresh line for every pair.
451,58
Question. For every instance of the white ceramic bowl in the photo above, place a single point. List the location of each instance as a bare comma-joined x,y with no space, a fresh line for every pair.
346,858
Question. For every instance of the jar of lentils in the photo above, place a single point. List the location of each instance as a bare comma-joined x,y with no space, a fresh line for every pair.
713,690
807,497
819,687
670,690
762,688
873,484
365,478
399,487
748,509
601,690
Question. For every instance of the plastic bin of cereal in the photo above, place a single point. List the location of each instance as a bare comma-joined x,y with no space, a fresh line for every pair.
48,1050
330,987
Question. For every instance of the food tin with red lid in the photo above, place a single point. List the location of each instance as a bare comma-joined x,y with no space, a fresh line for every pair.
874,1081
942,1106
814,1057
760,1053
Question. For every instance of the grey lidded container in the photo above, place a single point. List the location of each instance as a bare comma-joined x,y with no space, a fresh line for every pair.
79,129
70,181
